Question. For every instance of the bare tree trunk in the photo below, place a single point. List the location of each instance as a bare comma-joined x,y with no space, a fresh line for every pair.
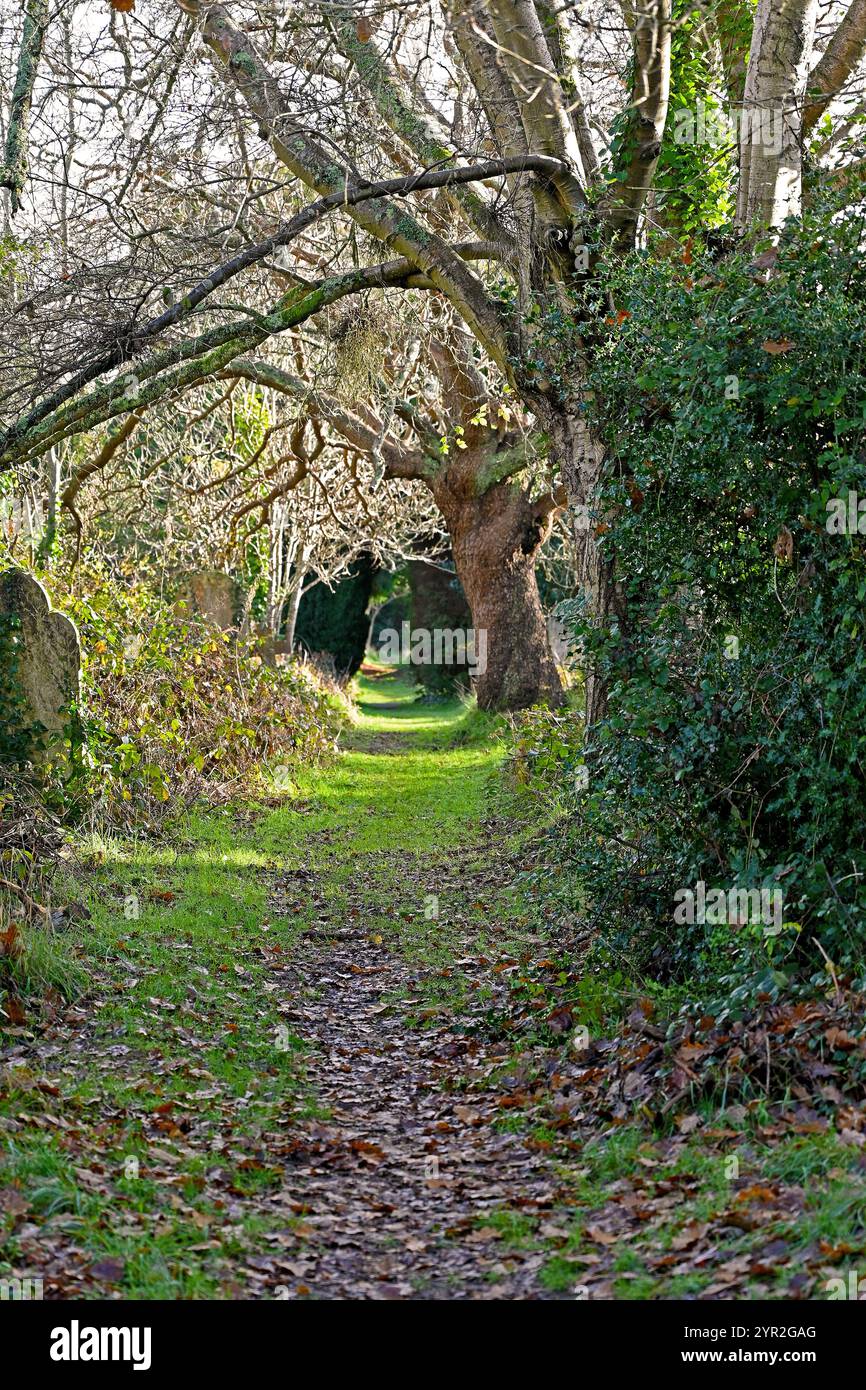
495,539
52,499
580,455
771,131
299,560
292,607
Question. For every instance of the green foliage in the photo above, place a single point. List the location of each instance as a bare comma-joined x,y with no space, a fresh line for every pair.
544,744
174,709
694,179
695,176
335,620
733,747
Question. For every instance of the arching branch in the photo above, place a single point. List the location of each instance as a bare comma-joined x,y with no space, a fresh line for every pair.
360,433
395,106
187,363
313,163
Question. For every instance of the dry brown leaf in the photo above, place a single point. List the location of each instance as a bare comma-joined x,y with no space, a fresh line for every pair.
600,1236
689,1235
783,549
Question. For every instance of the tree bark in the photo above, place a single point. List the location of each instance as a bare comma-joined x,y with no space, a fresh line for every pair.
771,133
495,538
580,455
13,171
293,604
837,64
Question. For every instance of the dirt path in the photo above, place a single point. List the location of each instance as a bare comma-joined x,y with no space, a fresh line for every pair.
334,1057
399,1181
395,1185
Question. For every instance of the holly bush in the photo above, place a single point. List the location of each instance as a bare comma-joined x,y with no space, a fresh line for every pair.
732,398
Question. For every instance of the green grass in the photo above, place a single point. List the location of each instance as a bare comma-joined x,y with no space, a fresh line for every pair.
43,964
825,1177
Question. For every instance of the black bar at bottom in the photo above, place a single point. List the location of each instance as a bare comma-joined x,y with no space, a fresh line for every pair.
84,1341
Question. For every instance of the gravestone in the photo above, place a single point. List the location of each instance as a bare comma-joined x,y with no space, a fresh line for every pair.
46,679
211,595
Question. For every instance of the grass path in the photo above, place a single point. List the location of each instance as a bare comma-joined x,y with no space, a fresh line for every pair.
324,1050
261,1093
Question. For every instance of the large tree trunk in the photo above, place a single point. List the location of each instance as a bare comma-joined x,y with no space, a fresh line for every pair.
495,539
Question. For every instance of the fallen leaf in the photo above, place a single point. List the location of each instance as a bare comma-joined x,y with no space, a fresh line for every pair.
689,1235
600,1236
775,346
783,548
687,1123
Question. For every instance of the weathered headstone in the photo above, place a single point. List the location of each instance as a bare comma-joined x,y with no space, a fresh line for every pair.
46,678
211,595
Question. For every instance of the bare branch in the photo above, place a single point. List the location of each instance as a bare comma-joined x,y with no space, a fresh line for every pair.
13,173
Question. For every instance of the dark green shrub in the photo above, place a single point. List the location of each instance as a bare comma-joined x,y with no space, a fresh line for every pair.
174,710
733,404
335,620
